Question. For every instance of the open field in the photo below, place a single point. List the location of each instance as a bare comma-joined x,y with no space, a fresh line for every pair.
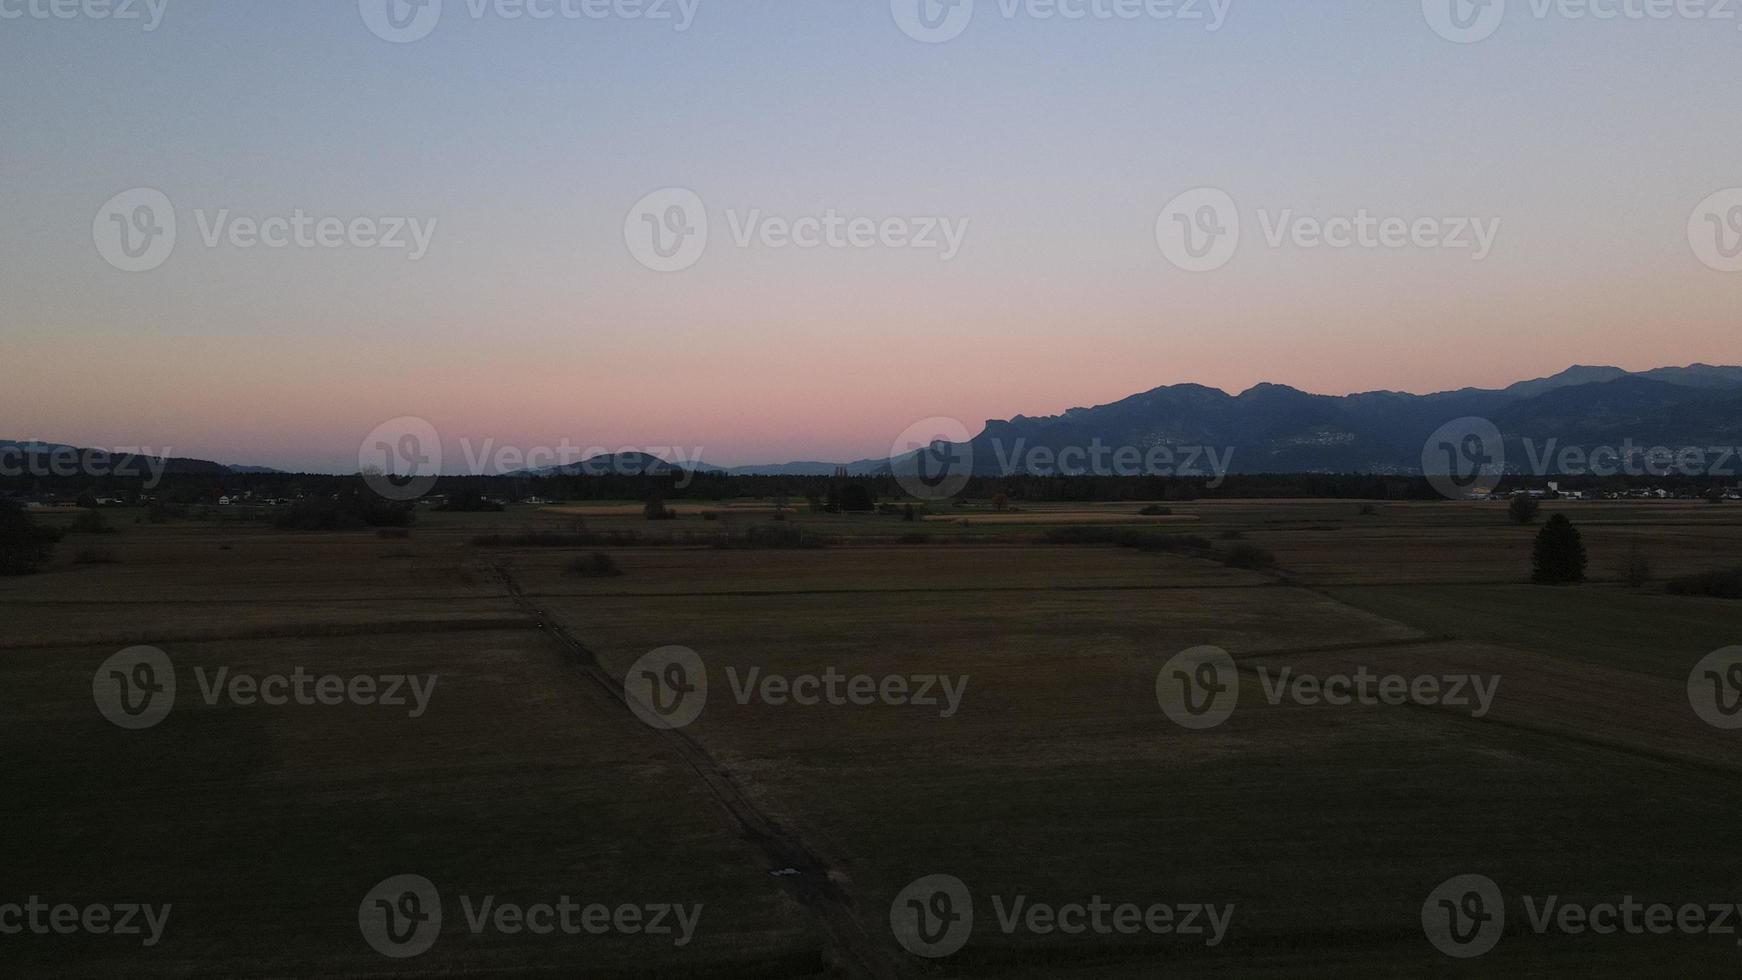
1051,772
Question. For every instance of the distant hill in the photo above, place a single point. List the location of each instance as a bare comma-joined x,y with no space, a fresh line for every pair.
47,457
619,464
1279,429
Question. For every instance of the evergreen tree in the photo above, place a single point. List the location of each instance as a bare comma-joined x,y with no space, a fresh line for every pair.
24,546
1560,554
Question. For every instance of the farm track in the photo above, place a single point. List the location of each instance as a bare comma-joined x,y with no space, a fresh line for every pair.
850,947
1669,760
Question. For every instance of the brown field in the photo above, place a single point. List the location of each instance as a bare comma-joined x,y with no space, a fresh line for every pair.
1047,518
1057,777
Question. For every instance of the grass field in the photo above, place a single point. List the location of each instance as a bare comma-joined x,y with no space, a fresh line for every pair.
1053,775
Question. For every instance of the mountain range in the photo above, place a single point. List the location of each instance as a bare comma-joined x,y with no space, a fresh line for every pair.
1278,429
1273,428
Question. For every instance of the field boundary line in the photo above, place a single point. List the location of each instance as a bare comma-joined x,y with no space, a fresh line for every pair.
952,590
814,886
296,632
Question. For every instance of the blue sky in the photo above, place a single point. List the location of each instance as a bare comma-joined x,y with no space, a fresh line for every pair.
1057,142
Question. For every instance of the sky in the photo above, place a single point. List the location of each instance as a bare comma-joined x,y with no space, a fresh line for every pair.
553,164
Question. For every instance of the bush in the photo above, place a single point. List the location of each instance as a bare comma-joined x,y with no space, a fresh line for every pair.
1249,557
470,502
345,512
1523,509
1156,510
577,538
90,522
1635,569
1369,510
393,533
856,499
656,510
596,565
25,546
1723,584
1559,557
1125,537
94,556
